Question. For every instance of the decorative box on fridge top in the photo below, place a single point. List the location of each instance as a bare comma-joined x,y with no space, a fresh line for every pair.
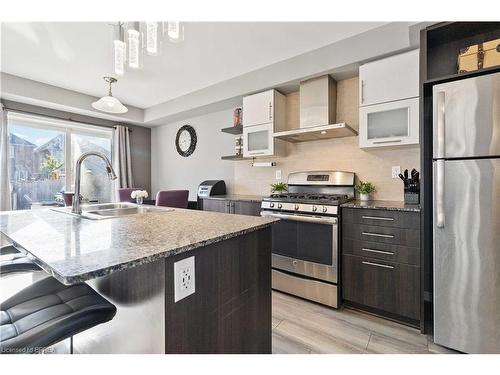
479,56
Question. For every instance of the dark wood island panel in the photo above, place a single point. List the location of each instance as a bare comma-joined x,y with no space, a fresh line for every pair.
230,312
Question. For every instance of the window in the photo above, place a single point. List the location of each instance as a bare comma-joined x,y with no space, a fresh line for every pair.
43,153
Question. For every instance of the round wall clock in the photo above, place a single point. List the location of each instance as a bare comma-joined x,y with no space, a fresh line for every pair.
185,141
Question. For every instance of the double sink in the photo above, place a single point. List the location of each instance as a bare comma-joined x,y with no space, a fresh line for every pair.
111,210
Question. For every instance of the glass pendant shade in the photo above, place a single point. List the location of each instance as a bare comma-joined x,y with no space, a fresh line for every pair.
134,48
175,31
109,103
120,51
152,43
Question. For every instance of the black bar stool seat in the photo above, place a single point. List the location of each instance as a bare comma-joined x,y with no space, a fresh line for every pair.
18,263
8,249
47,312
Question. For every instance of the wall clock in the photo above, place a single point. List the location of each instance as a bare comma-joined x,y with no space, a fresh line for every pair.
185,141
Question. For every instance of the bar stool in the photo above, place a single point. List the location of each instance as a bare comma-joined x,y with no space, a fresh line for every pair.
8,249
18,262
48,312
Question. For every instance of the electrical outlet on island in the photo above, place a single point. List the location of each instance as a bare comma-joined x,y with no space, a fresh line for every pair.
278,174
184,278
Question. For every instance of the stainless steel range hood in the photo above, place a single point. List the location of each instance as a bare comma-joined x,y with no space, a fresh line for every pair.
318,105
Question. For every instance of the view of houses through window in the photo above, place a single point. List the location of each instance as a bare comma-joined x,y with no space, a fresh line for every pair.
43,153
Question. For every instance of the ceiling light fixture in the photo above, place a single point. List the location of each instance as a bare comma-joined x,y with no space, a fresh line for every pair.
134,46
152,42
175,31
109,103
133,39
119,50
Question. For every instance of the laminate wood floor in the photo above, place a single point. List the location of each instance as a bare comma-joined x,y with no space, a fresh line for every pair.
303,327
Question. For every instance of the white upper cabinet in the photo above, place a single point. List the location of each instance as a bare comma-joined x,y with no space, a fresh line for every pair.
389,101
263,115
258,108
389,79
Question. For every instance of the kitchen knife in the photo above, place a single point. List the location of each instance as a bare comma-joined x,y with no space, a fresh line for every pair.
406,174
413,172
402,177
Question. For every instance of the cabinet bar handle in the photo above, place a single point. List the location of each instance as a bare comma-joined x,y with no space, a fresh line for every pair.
378,218
391,141
377,251
362,91
378,265
378,235
270,111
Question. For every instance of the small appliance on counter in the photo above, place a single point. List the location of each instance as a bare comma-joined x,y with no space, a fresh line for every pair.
209,188
411,186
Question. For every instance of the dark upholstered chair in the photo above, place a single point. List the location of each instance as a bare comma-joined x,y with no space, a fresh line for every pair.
173,198
17,263
48,312
8,249
124,194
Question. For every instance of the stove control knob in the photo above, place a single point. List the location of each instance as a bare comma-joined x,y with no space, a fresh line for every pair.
325,208
296,207
315,208
271,205
280,205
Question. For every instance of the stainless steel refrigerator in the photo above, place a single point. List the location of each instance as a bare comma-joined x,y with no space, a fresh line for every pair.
466,167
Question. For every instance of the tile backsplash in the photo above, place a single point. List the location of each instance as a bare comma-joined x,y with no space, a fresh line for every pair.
341,154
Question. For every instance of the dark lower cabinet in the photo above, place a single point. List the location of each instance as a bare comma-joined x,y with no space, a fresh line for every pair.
232,207
386,286
381,262
215,205
245,208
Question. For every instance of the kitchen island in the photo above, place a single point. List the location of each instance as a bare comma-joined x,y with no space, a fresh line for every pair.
130,261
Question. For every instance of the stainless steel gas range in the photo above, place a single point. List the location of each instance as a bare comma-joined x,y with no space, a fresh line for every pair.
305,240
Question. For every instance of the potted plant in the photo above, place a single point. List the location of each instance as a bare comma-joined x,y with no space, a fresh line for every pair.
279,188
365,188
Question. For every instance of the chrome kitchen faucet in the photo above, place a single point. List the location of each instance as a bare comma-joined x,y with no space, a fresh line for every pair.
76,209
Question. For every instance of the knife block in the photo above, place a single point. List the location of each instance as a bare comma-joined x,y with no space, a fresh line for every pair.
412,197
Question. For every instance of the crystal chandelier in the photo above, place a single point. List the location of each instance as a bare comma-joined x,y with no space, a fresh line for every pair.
134,39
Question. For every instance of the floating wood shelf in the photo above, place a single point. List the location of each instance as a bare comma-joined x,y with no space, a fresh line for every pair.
234,157
233,130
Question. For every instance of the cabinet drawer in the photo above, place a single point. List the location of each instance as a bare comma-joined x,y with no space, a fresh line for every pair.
393,253
384,218
245,208
216,205
372,233
382,285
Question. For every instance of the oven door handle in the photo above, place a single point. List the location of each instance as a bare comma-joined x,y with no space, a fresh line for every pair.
303,218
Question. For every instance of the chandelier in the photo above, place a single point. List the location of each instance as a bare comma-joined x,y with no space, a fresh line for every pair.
134,39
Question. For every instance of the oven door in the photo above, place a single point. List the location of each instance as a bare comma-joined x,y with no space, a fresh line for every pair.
306,245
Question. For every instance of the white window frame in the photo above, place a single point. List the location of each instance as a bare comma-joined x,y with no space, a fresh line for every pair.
63,126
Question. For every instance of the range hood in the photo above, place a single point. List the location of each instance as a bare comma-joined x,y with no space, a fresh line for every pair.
318,105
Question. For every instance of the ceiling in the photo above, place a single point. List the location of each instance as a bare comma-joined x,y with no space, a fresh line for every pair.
76,56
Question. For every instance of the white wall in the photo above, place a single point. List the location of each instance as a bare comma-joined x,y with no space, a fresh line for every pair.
170,171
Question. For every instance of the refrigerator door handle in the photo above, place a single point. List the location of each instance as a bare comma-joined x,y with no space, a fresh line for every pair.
440,193
440,152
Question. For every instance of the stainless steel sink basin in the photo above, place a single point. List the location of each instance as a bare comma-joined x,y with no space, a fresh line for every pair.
111,210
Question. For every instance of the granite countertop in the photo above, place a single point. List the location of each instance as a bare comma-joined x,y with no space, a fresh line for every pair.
237,197
383,205
74,249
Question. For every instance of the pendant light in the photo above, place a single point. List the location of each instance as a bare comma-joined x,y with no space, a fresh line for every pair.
134,46
119,50
109,103
152,40
175,31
